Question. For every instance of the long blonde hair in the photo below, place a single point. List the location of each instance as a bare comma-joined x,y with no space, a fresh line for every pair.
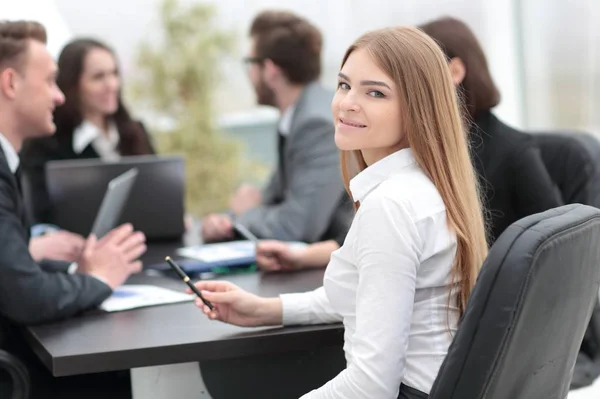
435,133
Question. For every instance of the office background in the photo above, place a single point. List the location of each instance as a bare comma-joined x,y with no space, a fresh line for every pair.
544,54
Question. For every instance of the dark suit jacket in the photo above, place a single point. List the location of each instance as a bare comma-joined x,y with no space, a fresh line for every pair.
37,152
305,200
28,293
515,182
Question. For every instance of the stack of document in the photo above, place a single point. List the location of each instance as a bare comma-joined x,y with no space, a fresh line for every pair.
222,254
227,253
136,296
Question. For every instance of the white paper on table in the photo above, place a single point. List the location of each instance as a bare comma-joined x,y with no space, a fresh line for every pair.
136,296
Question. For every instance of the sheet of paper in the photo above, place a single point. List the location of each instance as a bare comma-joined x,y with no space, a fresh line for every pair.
136,296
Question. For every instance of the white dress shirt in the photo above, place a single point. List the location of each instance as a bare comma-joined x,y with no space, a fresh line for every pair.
285,123
389,284
104,144
9,152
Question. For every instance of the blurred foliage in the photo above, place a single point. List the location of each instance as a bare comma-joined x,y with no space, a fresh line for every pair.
176,79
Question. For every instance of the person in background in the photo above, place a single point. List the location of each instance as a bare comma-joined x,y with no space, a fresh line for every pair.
93,122
404,274
513,176
305,199
519,182
30,294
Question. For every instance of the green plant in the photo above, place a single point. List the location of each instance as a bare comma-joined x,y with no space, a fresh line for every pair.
175,80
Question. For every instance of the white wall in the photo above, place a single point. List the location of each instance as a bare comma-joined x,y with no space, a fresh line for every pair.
44,11
123,23
544,54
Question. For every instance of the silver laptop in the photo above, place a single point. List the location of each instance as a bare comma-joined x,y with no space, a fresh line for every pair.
113,203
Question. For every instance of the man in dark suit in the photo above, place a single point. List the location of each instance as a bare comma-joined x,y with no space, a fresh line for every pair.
30,294
305,199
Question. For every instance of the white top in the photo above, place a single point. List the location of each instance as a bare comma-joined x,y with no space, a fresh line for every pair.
389,283
285,123
104,144
9,152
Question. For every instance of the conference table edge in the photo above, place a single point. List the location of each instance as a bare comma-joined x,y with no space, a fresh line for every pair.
264,342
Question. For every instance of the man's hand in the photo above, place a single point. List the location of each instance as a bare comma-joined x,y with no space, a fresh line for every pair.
278,256
60,245
217,227
245,198
114,258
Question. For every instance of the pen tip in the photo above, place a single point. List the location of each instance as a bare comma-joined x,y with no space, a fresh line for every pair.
168,258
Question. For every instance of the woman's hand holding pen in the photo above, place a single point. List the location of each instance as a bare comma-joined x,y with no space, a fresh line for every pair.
235,306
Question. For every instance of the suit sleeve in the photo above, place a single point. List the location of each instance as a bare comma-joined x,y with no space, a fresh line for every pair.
29,294
340,238
272,191
312,191
52,265
534,190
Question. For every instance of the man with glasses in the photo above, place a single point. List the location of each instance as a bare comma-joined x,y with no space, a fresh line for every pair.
305,199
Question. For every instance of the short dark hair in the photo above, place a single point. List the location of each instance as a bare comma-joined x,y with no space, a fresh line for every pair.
291,42
14,39
457,40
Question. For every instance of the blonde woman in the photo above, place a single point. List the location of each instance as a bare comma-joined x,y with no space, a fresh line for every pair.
403,276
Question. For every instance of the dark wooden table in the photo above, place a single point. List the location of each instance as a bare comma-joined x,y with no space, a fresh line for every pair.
175,334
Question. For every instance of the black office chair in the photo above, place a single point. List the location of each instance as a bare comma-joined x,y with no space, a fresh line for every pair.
573,162
21,386
524,323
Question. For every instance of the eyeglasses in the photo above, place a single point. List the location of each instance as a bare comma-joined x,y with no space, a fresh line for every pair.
252,60
248,61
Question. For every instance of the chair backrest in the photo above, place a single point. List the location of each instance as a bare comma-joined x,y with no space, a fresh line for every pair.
573,162
524,323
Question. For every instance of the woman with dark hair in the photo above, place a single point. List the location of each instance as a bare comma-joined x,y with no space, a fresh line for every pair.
92,123
513,176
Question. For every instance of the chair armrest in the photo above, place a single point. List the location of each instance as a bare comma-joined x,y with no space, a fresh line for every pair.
18,373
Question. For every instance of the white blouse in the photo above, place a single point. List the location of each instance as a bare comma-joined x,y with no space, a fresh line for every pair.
105,145
389,284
